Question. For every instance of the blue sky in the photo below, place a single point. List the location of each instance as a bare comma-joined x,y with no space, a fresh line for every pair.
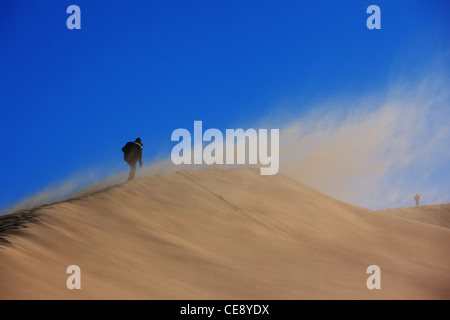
70,99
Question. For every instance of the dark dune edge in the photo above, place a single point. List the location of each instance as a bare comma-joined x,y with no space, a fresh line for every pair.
12,223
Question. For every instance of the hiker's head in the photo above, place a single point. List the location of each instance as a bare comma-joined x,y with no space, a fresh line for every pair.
138,140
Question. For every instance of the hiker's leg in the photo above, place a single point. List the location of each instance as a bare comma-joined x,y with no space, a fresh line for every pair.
132,171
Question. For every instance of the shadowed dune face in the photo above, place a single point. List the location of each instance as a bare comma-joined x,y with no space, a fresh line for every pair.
219,234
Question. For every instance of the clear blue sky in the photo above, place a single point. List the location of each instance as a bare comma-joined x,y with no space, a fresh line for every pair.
70,99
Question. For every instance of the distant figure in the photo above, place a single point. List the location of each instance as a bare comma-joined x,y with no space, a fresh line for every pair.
417,198
132,152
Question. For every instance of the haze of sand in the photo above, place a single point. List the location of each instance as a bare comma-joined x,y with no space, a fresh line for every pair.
219,234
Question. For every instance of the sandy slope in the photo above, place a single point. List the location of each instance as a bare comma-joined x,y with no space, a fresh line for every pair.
438,215
219,234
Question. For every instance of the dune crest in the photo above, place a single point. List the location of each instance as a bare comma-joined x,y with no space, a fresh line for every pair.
218,234
438,215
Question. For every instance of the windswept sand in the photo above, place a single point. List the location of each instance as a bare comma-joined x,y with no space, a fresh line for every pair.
219,234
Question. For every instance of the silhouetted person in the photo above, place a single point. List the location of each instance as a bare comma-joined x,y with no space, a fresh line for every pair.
132,152
417,198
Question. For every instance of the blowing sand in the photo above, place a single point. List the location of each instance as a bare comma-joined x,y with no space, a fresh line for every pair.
220,234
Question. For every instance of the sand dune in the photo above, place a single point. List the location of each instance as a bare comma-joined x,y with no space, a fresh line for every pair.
219,234
438,215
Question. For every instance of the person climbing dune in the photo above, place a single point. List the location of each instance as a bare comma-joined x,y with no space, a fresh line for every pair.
132,152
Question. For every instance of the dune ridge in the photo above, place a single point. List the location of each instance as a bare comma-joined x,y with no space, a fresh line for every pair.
218,234
438,215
